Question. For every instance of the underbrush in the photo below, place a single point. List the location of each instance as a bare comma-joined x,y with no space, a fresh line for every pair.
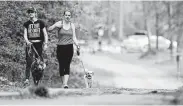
13,64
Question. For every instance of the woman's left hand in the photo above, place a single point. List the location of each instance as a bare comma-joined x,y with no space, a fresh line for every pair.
78,47
78,50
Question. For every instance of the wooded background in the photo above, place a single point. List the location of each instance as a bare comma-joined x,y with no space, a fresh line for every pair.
161,18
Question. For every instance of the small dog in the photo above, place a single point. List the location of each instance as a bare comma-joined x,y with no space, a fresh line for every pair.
88,77
37,70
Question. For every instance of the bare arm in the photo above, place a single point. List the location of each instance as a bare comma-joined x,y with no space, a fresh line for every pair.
25,36
56,25
74,35
45,35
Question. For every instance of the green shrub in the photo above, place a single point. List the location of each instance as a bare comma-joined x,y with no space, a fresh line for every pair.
12,66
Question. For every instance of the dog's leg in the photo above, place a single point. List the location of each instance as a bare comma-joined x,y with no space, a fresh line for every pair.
35,81
86,82
92,81
38,82
89,84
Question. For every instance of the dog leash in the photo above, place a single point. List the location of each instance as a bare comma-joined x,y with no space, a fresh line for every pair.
78,53
34,50
30,56
83,66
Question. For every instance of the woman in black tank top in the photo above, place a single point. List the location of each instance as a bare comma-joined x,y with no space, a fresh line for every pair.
66,39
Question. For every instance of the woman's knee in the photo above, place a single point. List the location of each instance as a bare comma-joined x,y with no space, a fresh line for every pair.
67,69
66,72
62,73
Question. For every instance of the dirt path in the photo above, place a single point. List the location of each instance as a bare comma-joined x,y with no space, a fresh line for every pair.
117,73
113,73
121,99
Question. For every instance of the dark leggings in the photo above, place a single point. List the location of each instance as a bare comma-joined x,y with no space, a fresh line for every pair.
29,57
64,56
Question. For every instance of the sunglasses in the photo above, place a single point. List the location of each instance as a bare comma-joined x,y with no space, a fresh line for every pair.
67,15
30,11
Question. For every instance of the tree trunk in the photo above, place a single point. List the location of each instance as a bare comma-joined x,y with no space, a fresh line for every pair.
169,25
109,23
157,26
146,26
121,21
157,31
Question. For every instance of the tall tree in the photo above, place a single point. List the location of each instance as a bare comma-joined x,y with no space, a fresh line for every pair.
157,23
121,20
146,26
169,12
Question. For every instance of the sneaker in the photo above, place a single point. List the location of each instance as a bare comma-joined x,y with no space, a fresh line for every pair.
26,82
66,87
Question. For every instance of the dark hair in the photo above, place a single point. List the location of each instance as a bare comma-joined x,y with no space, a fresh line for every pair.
31,9
67,11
